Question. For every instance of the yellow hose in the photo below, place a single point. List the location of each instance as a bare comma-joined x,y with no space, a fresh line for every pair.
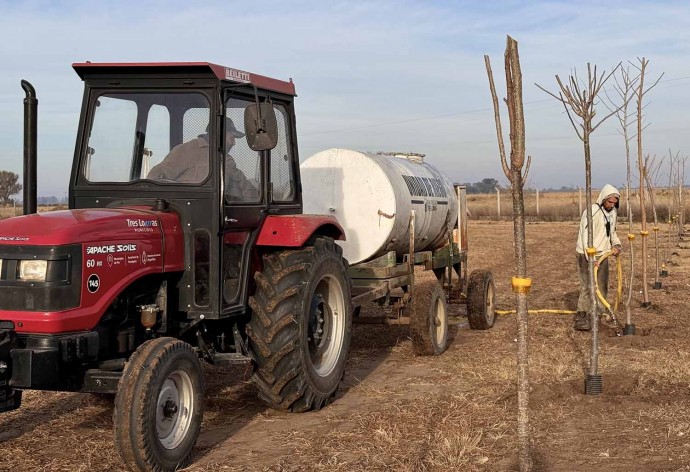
619,290
599,294
544,311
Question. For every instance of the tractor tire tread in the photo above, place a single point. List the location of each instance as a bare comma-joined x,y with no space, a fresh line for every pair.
424,297
274,329
479,283
134,394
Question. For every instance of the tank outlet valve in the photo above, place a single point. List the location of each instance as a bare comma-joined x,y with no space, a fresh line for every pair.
149,315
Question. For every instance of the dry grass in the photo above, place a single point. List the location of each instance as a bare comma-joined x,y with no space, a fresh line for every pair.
9,211
562,206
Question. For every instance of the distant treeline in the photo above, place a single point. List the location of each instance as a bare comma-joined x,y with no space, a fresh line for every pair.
485,186
489,185
52,200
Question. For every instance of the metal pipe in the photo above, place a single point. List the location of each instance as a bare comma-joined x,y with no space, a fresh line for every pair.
30,134
498,202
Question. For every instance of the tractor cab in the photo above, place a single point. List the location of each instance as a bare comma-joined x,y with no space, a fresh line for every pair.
214,145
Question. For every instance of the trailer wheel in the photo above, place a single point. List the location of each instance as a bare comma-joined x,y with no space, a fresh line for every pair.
429,319
158,406
480,300
301,326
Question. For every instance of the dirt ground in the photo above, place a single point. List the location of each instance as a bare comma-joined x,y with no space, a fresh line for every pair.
456,411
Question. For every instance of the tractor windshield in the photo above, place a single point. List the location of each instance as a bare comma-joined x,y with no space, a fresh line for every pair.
159,136
163,137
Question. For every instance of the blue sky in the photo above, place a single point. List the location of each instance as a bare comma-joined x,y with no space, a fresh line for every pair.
372,76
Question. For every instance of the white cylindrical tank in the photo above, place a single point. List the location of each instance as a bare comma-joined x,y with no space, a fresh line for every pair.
371,195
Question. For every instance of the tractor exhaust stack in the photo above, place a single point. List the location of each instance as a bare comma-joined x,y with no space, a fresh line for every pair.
30,134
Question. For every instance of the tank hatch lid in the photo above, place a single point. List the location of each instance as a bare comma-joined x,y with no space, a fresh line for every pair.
411,156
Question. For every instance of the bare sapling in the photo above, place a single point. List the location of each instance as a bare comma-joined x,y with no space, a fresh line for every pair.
579,100
651,170
677,210
681,196
623,88
640,92
521,283
673,162
629,327
677,200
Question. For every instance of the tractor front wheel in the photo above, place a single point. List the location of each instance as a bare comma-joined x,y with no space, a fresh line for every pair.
159,406
301,326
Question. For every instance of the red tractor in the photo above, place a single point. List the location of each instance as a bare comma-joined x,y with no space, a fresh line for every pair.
184,242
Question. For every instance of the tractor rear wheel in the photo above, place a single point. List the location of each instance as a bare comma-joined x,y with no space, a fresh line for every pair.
301,324
481,312
159,406
429,319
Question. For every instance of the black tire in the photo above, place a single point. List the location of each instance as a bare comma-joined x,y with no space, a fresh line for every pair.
299,292
429,319
481,310
159,406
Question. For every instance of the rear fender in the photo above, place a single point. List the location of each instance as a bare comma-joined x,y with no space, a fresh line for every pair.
296,230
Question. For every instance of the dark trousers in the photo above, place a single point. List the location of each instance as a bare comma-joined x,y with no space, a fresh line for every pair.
583,303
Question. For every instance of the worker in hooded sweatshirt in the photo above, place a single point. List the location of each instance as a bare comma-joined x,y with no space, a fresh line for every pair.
604,215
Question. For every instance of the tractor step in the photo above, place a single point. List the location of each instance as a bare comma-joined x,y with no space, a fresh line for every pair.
101,381
10,399
230,358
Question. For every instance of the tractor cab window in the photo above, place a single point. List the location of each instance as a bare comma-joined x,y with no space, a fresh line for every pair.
156,136
282,176
242,164
157,143
111,140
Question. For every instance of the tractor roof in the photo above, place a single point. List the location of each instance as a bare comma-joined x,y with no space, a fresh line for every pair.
178,69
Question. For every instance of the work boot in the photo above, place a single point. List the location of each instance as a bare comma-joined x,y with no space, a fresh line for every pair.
582,321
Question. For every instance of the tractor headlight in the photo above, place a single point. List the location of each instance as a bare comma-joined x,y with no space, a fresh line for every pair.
34,270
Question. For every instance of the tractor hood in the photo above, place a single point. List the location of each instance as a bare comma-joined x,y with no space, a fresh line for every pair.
86,226
94,255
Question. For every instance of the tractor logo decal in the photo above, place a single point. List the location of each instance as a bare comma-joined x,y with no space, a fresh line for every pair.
93,284
110,260
142,226
147,257
13,238
237,75
110,249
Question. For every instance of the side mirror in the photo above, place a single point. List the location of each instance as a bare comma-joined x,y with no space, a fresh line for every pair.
261,127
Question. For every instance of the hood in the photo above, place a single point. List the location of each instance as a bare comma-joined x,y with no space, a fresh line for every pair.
79,226
606,192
